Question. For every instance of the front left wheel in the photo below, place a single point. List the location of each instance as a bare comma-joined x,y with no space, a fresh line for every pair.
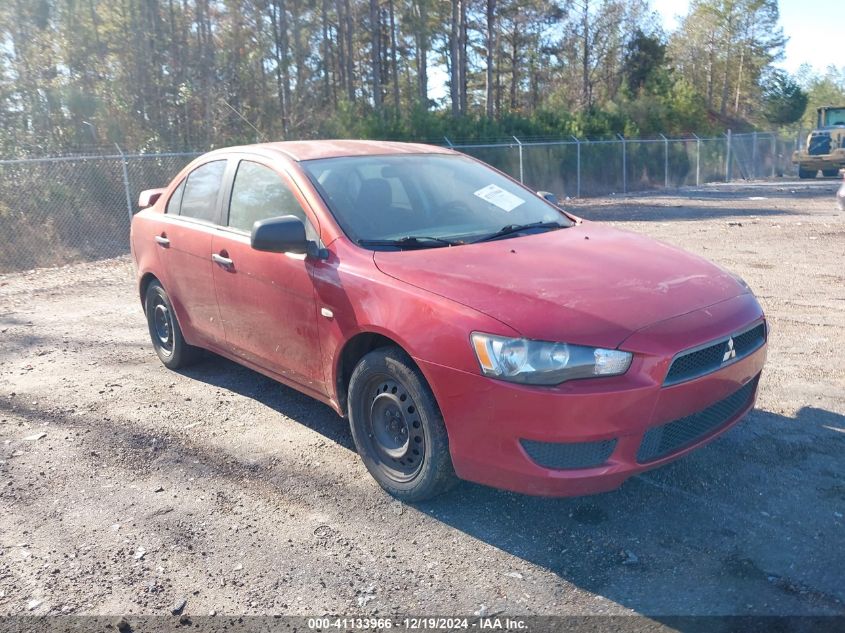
398,428
165,333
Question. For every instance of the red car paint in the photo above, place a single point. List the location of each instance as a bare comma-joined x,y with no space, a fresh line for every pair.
291,318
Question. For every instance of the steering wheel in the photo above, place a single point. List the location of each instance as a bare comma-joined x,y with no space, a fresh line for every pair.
384,221
447,211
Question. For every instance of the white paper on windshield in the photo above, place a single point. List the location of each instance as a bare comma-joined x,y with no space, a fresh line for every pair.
505,200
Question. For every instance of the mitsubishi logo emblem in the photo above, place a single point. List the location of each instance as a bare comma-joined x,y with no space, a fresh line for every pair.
730,352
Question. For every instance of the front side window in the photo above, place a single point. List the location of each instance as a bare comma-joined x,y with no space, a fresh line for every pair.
441,196
199,199
258,194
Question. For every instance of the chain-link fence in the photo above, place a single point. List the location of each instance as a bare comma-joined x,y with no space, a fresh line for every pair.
581,168
59,210
55,211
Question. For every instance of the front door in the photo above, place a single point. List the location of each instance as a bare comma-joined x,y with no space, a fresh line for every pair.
267,300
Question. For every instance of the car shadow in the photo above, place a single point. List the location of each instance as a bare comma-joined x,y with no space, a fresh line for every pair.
221,372
701,516
646,545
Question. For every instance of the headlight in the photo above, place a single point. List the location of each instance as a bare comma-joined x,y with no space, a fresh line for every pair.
543,363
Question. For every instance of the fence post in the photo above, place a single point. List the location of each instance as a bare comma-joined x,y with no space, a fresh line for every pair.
754,155
728,156
774,153
624,164
521,170
697,160
125,181
665,162
577,167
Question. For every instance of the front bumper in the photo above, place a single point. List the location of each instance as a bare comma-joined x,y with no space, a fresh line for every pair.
498,431
819,161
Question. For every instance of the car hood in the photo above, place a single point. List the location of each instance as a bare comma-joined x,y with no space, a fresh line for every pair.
589,284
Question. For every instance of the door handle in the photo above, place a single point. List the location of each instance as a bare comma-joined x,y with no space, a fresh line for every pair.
223,261
162,240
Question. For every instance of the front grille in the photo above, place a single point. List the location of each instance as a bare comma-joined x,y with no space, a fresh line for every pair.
704,360
570,455
664,440
750,340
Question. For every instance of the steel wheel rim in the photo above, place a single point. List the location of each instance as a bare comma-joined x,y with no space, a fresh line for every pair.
162,325
393,429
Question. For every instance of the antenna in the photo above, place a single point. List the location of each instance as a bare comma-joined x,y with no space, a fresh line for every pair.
245,120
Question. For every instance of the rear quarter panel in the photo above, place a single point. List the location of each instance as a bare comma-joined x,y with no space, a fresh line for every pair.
144,250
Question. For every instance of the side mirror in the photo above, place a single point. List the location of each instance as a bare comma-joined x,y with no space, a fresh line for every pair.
149,197
279,235
548,196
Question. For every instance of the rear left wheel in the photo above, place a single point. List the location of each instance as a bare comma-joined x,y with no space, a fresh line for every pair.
165,333
398,428
807,173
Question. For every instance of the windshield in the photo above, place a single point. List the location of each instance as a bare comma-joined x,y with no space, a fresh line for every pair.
834,116
445,199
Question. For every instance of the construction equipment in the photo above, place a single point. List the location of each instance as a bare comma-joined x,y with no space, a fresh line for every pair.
825,150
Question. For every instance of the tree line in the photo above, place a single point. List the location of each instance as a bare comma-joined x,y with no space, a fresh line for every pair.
192,74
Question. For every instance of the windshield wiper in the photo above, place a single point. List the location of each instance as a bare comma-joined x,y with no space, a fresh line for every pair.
510,229
413,241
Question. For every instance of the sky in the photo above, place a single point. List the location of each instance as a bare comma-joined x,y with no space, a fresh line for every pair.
813,27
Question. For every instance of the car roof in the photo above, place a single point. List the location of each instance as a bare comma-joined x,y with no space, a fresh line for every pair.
310,150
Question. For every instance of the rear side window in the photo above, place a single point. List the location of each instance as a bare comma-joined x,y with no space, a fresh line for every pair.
176,199
199,199
259,193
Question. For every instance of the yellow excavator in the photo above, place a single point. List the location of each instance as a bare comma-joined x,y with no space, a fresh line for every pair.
825,149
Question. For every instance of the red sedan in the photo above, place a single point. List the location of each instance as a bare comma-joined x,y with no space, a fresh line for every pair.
466,326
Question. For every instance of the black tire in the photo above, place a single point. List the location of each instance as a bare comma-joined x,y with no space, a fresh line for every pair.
398,428
807,173
830,173
165,333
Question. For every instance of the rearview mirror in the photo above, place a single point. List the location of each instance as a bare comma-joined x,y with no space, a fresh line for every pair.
279,235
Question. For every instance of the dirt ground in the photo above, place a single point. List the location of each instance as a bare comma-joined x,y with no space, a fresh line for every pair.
127,488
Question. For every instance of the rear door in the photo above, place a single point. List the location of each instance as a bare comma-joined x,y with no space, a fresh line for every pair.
184,239
267,300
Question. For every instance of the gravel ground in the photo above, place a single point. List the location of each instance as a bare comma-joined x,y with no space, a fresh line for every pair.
126,488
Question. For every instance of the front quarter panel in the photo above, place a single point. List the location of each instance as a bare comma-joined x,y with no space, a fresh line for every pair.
362,299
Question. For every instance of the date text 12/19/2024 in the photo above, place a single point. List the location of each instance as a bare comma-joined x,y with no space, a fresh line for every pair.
418,623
